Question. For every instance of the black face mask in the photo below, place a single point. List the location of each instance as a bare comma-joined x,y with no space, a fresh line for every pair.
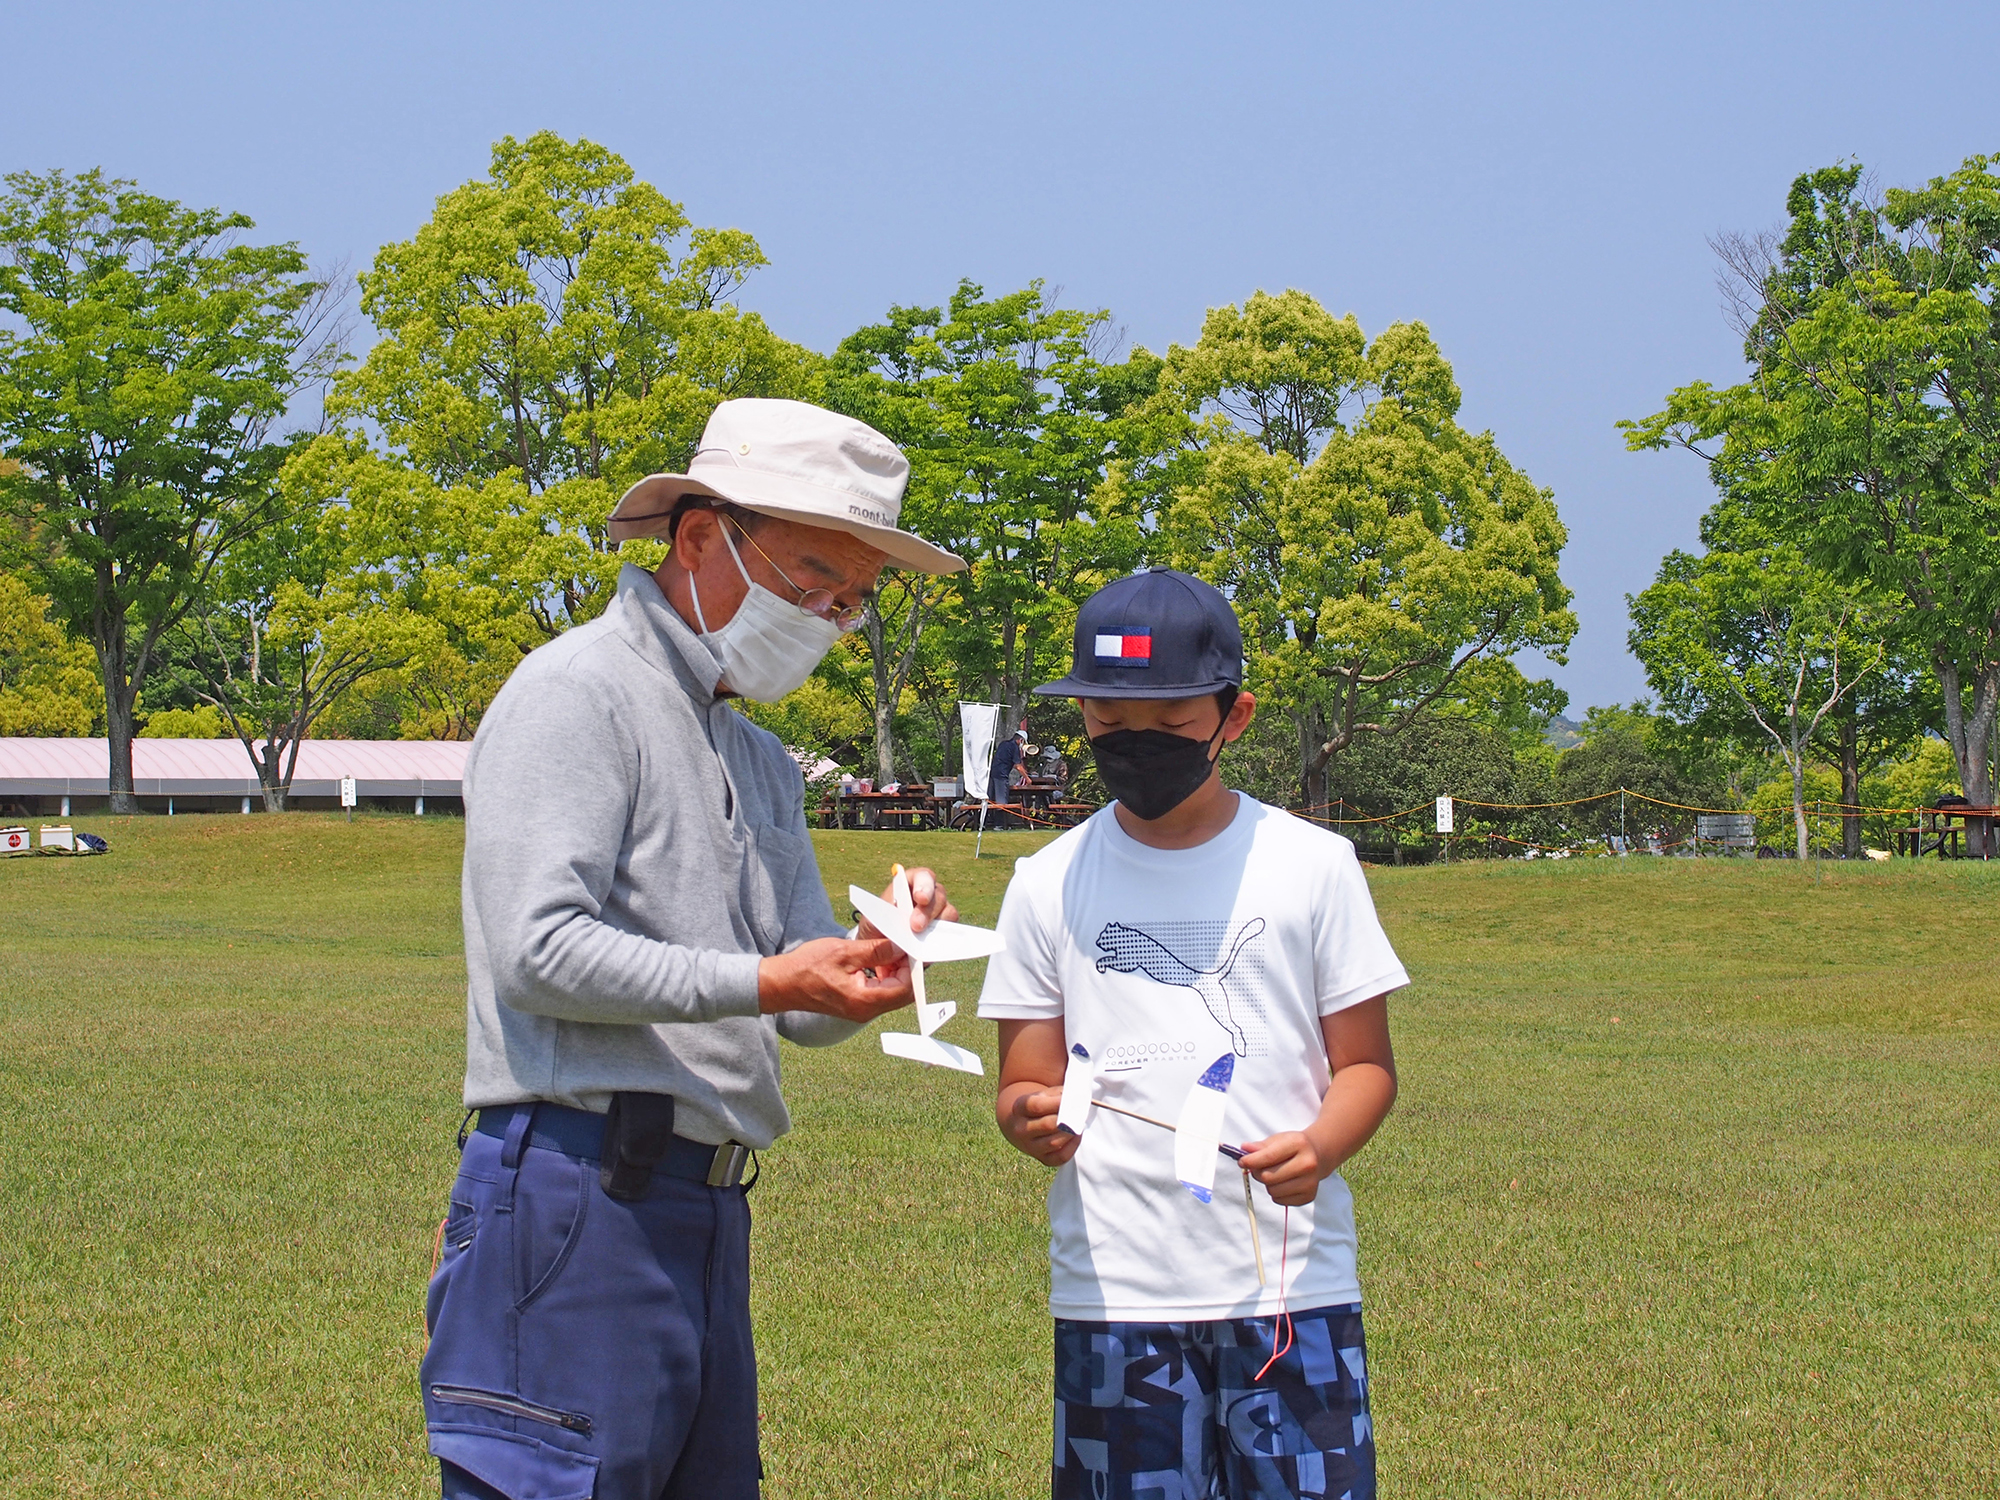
1153,772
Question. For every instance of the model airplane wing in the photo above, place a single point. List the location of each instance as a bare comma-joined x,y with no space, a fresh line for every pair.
1198,1132
1078,1077
940,942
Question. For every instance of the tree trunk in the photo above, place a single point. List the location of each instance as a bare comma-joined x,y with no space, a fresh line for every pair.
270,777
1312,768
1798,763
1968,734
120,701
276,789
1979,734
883,673
885,741
1850,786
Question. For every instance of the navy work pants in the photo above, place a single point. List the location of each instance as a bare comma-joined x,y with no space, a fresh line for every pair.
587,1348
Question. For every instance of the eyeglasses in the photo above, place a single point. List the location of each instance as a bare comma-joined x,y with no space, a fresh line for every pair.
818,602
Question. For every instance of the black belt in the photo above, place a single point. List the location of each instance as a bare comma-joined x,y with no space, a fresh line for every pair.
578,1132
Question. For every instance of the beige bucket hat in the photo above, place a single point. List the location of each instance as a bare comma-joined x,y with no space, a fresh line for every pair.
796,461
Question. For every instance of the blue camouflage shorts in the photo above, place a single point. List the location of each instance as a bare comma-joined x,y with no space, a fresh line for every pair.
1175,1411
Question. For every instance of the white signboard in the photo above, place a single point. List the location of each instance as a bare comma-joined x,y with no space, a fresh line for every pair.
980,722
1444,815
347,798
1735,830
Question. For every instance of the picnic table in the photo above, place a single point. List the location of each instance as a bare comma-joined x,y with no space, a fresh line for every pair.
1034,804
911,808
1970,836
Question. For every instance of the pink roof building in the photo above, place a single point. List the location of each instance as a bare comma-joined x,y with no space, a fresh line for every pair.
41,768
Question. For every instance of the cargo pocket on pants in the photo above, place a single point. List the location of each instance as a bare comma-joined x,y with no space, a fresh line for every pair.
518,1466
544,1239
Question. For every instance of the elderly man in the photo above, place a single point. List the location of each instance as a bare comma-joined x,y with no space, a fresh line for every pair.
644,920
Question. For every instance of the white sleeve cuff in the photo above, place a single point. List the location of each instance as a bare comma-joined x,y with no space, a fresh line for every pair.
1020,1010
1368,989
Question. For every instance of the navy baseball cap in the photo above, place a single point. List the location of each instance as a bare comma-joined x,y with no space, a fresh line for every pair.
1157,634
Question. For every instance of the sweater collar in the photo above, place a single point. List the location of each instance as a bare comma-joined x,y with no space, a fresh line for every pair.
685,654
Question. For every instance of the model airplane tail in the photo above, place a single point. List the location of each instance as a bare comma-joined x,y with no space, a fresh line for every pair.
939,942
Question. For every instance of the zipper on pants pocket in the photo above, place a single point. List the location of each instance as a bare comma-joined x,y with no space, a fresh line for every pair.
513,1406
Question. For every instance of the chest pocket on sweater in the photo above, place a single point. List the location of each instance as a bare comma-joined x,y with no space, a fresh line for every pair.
772,860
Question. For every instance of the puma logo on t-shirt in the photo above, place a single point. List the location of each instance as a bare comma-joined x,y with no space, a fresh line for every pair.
1133,950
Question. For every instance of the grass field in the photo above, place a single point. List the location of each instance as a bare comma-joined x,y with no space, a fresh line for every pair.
1691,1189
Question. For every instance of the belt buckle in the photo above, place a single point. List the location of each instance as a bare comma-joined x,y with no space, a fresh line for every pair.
726,1170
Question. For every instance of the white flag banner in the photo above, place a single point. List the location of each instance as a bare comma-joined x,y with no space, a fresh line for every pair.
980,723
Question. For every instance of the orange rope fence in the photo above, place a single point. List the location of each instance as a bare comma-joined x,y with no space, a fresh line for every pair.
1814,807
1819,806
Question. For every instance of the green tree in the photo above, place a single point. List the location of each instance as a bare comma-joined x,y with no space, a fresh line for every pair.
1383,560
1626,749
1868,433
1753,640
148,357
291,620
49,686
552,333
1009,419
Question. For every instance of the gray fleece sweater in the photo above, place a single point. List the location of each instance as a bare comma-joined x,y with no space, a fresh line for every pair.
633,846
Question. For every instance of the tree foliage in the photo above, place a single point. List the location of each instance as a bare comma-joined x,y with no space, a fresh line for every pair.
1751,639
1010,420
552,333
292,619
49,684
1868,434
146,356
1383,560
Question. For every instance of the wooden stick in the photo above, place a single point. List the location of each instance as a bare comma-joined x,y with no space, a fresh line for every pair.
1256,1240
1232,1152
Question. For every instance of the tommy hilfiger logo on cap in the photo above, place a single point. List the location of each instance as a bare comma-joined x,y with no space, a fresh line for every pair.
1125,646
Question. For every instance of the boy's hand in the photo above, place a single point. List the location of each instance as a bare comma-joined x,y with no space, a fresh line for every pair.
1028,1120
1293,1163
1289,1164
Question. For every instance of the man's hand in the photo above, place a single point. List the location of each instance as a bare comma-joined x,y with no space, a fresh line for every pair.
926,895
856,979
1028,1121
1290,1164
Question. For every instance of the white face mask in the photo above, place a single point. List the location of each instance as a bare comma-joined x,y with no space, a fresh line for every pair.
769,646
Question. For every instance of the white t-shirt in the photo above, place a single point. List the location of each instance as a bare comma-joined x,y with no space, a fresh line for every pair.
1159,961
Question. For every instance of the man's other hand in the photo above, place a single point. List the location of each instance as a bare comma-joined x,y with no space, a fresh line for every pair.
926,896
856,979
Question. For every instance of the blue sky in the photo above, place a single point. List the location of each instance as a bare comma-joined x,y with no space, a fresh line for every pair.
1536,183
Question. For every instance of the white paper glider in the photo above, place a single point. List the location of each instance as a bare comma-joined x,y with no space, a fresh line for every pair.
940,942
1198,1132
1079,1076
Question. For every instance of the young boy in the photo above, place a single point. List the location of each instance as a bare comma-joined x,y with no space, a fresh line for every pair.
1183,925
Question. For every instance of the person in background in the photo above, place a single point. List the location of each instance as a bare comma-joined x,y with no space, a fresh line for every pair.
644,922
1007,760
